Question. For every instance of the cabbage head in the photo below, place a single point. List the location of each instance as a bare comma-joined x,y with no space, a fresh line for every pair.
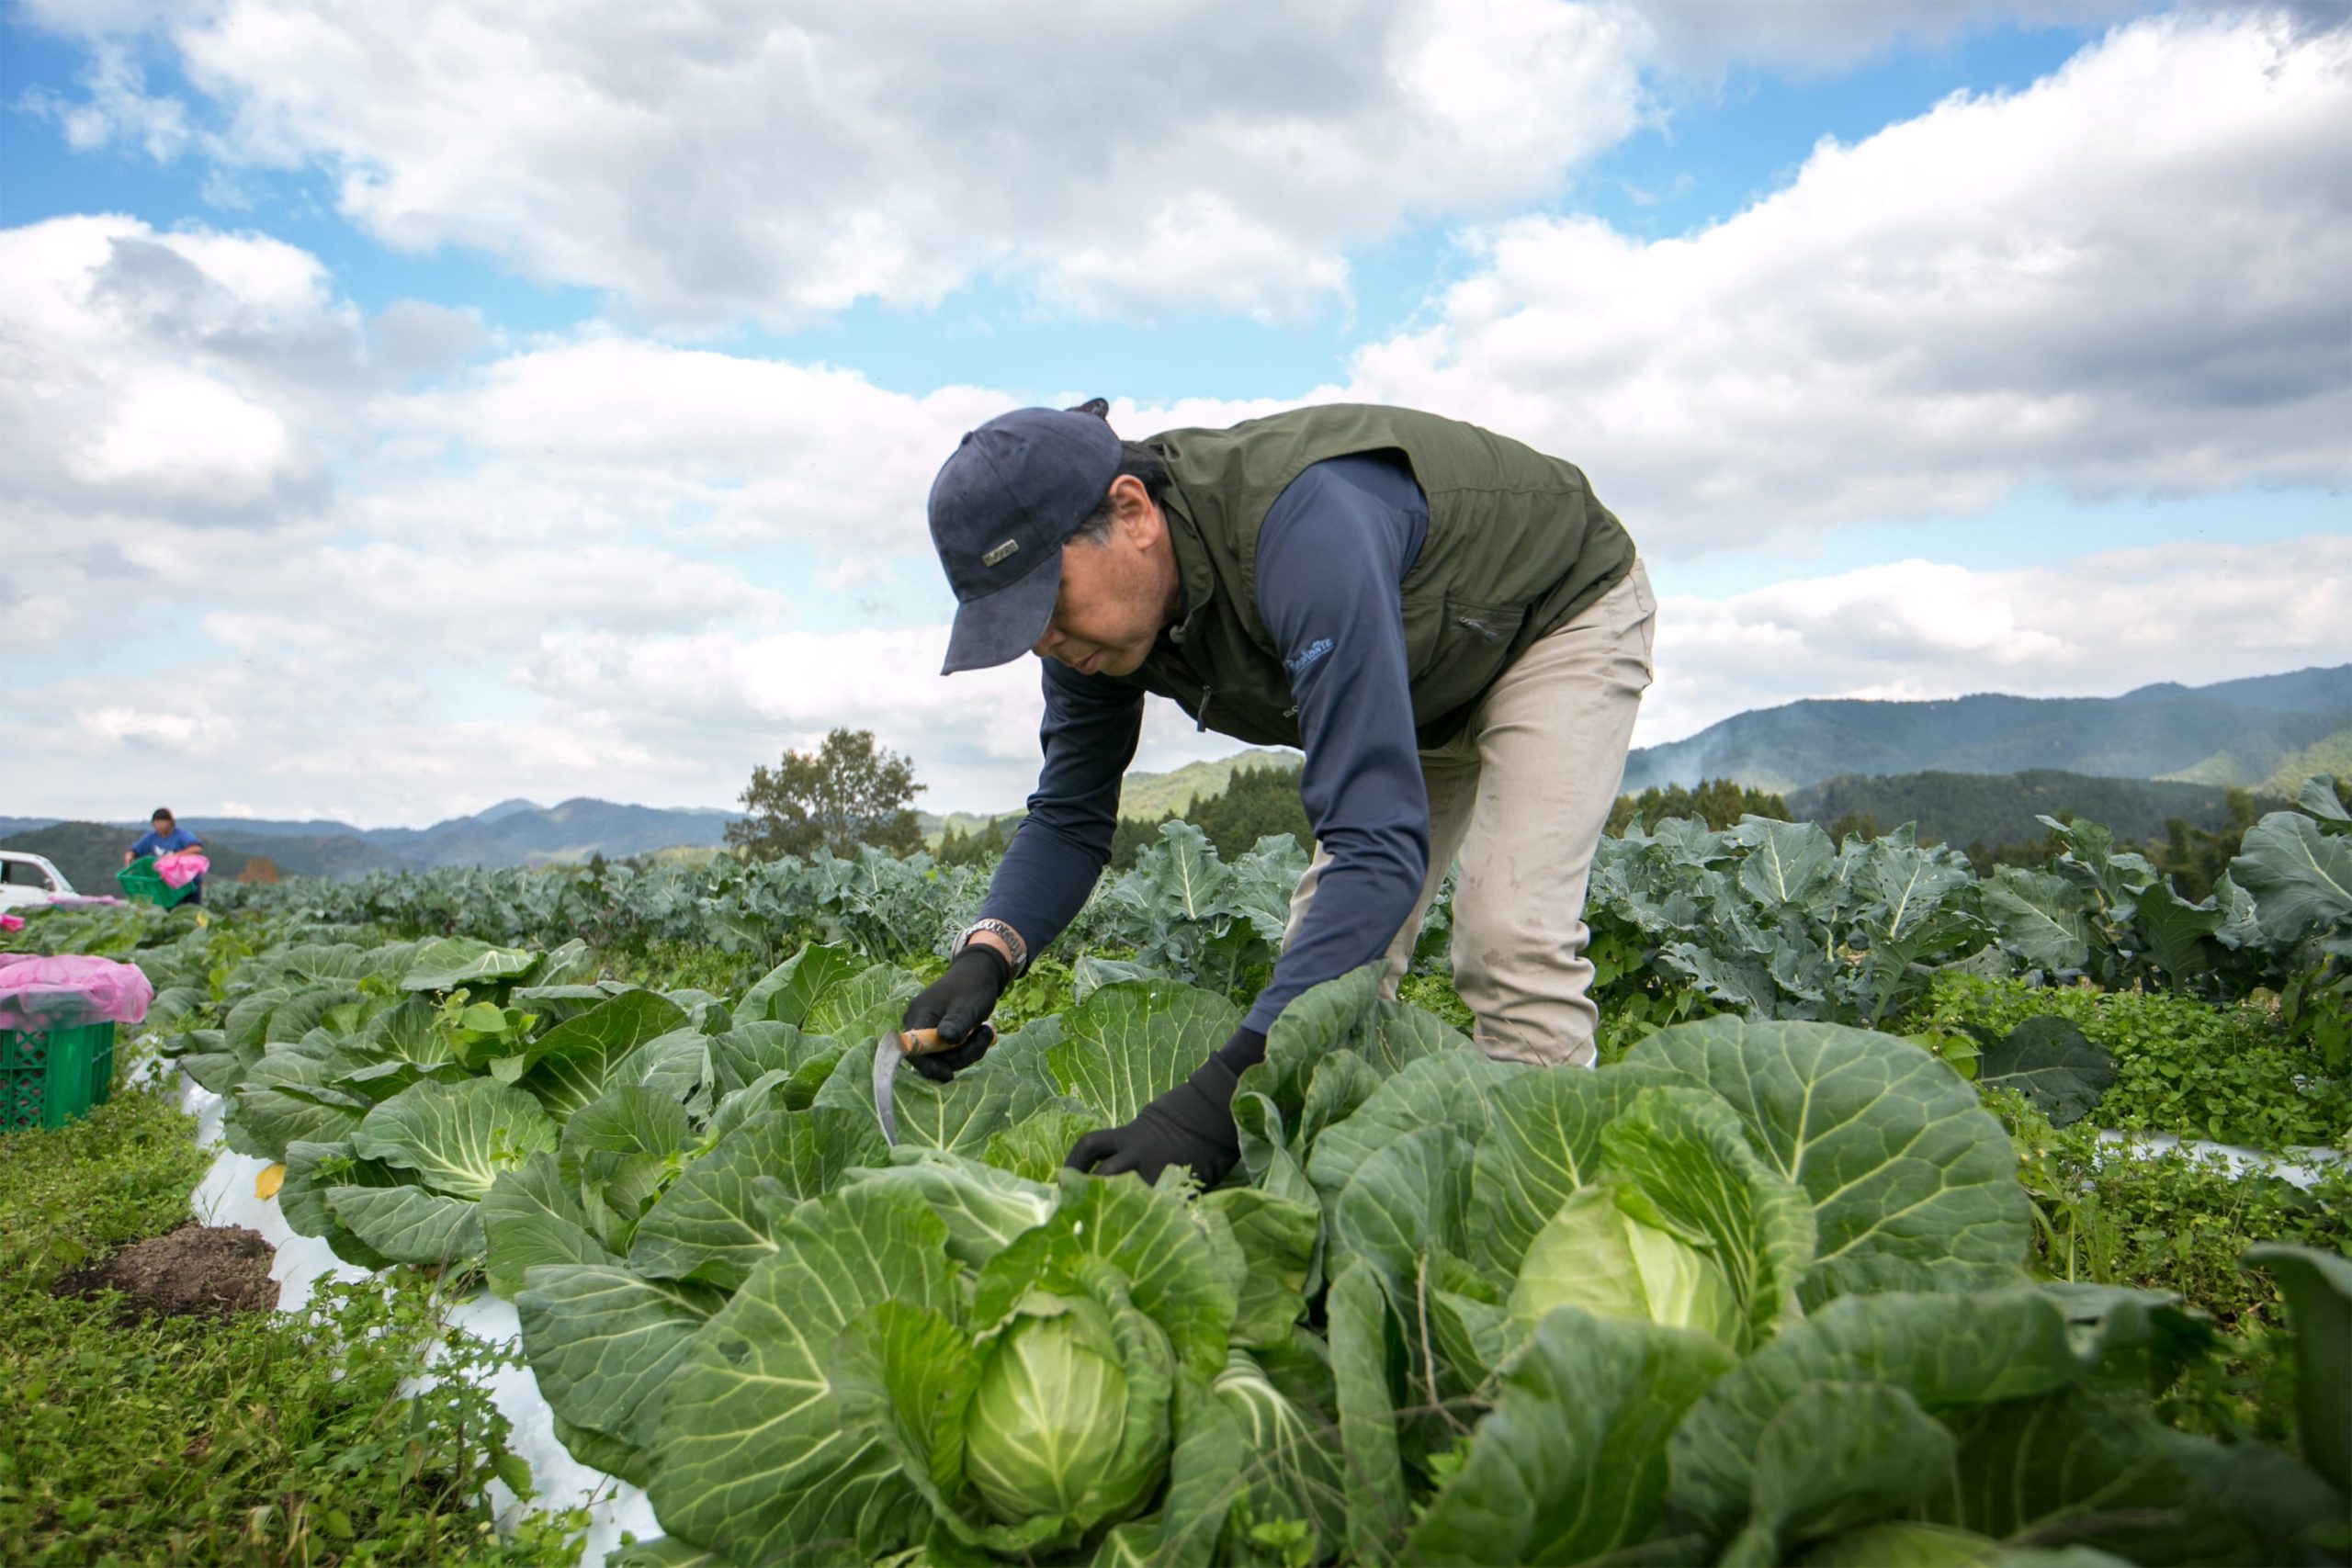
1605,1252
1069,1418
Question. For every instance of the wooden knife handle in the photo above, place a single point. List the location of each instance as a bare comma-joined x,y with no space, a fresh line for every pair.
927,1042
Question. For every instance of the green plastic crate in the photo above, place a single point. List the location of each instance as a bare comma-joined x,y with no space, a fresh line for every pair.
47,1080
142,884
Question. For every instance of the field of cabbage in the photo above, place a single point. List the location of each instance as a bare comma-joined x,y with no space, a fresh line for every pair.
1760,1288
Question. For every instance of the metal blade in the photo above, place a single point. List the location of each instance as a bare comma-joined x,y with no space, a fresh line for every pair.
886,1052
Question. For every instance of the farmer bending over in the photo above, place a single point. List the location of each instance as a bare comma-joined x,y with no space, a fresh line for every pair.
1451,626
166,837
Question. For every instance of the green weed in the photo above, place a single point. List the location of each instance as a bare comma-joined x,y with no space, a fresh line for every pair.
266,1439
2183,1067
682,966
2166,1220
2179,1220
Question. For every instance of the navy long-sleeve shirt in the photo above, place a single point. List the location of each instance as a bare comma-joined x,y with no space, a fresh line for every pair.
1331,552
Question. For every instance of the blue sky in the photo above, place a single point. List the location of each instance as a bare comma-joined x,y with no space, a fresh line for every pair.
455,434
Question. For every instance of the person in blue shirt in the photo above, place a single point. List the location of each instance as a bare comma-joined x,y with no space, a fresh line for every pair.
1449,627
166,837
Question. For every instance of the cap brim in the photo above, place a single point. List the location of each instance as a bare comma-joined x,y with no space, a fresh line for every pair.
1007,624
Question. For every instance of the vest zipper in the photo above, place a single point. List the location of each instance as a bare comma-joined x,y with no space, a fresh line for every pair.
1201,714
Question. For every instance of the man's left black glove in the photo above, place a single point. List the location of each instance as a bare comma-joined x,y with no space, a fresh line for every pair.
1192,1124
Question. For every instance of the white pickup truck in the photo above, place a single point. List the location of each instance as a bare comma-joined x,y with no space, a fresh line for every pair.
29,879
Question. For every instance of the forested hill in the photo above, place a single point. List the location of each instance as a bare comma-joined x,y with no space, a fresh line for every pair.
2267,732
90,853
2003,809
1143,798
513,832
516,832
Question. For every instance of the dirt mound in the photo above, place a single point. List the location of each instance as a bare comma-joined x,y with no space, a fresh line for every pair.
194,1272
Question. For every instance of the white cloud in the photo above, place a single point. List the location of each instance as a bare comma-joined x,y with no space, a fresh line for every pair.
367,631
553,571
1915,630
738,452
173,432
117,109
2127,278
1199,250
28,618
177,371
181,732
1701,36
709,160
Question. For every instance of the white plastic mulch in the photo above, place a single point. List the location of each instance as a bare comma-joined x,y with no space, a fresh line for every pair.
225,1197
2300,1165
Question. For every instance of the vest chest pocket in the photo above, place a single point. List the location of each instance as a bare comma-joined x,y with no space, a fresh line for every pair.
1455,647
1240,690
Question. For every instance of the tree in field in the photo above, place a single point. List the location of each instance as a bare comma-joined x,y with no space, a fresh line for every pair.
1254,803
1720,803
846,793
984,845
1862,825
1131,836
2195,857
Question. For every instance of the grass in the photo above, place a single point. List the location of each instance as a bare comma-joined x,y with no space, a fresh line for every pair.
2184,1066
680,966
2176,1219
69,1194
1435,993
273,1438
2165,1220
2179,1220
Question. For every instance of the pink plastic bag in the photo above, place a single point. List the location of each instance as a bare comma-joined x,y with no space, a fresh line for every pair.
38,994
180,869
12,922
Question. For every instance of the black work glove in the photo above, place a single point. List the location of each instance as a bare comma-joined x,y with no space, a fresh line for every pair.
1192,1124
954,1004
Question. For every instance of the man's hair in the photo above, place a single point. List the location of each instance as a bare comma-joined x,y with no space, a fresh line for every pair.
162,814
1136,461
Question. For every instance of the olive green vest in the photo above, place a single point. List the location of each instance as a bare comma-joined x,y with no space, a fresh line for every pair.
1516,546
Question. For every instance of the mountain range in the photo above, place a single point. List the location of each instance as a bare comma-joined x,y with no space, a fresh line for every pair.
513,832
1995,809
2265,733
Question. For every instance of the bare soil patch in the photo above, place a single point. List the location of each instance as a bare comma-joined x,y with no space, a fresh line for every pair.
194,1272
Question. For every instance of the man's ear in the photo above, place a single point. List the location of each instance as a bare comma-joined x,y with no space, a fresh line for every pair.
1140,519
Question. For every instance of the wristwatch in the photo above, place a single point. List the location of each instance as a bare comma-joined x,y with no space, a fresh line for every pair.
1005,933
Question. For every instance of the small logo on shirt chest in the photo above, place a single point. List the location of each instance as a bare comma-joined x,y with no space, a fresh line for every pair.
1307,654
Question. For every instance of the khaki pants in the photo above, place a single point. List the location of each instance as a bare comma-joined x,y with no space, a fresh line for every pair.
1522,797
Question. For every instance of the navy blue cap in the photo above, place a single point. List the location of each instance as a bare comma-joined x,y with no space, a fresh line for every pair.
1003,504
